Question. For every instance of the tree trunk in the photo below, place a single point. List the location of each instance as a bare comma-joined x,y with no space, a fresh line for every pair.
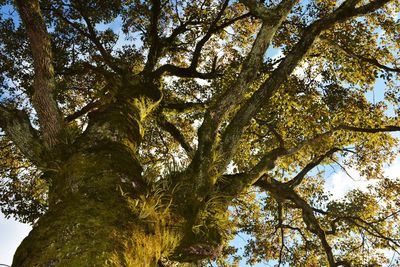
94,220
102,212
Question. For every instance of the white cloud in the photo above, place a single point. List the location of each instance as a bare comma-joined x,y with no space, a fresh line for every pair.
301,69
341,182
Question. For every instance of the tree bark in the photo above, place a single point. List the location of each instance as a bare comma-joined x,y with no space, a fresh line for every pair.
101,215
95,217
103,212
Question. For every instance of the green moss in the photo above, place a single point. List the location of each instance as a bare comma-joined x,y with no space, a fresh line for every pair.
98,219
84,232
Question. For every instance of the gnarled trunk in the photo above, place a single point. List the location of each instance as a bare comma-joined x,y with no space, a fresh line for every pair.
98,217
102,212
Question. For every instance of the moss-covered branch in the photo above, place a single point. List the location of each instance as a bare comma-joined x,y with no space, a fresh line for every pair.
236,184
15,123
174,132
225,103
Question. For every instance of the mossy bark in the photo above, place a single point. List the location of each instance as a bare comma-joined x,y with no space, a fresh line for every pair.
91,220
102,212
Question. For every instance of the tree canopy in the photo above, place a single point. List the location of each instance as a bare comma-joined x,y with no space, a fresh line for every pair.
244,104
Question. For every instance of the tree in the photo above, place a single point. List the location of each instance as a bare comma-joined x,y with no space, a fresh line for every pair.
156,144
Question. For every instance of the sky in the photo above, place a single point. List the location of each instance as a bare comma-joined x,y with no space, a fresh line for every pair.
11,235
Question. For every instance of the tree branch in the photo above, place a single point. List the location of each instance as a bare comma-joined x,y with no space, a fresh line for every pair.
50,118
235,92
175,133
266,163
191,71
260,98
108,58
184,106
19,130
367,59
280,223
300,176
236,184
207,36
89,107
183,72
182,28
282,192
363,224
155,46
92,36
389,128
277,136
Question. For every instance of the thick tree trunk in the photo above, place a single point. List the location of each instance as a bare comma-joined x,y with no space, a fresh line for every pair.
93,220
102,212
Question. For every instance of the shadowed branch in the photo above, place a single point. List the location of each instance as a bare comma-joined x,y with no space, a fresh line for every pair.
18,128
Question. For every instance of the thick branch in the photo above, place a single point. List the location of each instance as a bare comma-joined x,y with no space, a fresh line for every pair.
235,92
261,97
253,60
184,106
50,119
89,107
18,128
267,163
184,72
236,184
153,37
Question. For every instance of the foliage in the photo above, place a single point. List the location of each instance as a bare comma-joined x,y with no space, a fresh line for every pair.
227,114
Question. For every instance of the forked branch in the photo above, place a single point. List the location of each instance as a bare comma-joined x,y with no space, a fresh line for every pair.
235,92
282,192
174,132
300,176
235,185
261,97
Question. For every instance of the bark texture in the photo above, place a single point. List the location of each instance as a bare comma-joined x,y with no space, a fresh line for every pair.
93,219
43,93
103,212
